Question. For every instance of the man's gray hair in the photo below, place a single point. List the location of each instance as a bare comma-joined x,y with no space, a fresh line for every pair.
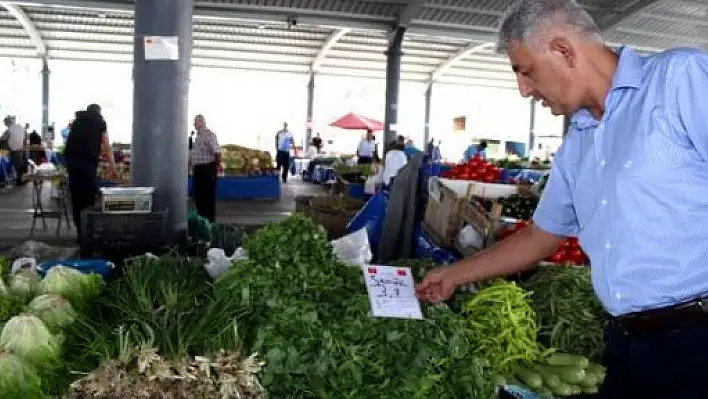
524,18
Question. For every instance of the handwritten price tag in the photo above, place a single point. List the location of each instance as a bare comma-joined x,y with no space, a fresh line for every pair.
392,292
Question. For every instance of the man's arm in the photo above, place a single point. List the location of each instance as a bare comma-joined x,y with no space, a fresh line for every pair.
108,151
214,143
690,96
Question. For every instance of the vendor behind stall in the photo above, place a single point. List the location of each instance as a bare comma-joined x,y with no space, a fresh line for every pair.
88,139
395,159
476,151
366,151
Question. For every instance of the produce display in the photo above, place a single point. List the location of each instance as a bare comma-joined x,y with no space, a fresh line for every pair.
290,321
352,172
122,168
569,253
523,163
518,207
242,161
36,315
476,169
560,374
570,315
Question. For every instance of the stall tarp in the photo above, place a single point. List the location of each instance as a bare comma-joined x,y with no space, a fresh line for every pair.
352,121
244,187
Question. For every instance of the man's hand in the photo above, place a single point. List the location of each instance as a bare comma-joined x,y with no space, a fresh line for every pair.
438,285
112,174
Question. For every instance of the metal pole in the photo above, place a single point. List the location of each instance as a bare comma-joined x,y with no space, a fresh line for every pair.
160,96
45,96
428,97
393,82
532,125
310,109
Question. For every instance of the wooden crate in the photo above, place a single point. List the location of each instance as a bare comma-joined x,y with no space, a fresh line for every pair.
442,214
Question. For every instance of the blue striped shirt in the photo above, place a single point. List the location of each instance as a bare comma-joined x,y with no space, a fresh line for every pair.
633,186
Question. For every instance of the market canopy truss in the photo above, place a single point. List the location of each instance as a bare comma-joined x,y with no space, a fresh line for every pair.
446,41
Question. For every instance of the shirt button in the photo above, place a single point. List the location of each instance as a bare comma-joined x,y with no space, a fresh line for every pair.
608,245
602,163
618,296
628,164
603,202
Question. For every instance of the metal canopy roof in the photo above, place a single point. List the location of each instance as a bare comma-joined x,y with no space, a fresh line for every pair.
446,41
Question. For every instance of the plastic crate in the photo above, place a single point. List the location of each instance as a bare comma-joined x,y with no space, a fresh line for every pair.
122,232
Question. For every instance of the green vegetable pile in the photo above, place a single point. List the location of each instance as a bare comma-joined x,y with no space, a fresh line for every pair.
560,374
518,207
503,325
309,317
570,315
35,314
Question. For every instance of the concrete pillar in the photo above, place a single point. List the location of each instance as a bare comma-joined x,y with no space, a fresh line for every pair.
532,124
428,97
310,110
160,100
45,96
393,83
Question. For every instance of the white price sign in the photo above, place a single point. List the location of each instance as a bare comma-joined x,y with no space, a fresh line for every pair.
392,292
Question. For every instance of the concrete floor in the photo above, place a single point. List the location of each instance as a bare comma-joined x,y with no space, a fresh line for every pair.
16,213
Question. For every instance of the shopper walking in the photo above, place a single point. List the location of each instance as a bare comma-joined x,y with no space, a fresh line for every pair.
84,146
284,143
17,141
629,180
206,158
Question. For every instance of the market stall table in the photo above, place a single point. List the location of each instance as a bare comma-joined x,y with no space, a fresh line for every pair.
244,187
61,212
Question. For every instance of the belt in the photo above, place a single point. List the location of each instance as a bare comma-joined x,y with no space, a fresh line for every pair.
664,319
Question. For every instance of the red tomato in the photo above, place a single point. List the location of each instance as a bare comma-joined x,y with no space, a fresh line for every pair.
473,176
576,256
558,257
489,178
573,240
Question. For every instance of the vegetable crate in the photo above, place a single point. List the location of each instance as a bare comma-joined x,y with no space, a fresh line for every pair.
104,233
484,223
442,214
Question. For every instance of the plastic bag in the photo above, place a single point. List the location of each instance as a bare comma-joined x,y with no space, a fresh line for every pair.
370,185
218,263
470,238
23,264
354,248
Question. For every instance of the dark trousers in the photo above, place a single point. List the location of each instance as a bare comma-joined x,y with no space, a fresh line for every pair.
666,365
18,159
82,190
204,178
282,161
365,160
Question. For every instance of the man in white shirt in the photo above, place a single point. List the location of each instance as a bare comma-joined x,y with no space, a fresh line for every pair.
284,142
17,142
395,160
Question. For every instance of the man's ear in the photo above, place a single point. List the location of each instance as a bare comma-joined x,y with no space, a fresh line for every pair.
562,46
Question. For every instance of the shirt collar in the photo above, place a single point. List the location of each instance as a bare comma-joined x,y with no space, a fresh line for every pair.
629,74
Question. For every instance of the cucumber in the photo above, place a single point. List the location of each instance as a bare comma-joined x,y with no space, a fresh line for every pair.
563,390
532,379
549,377
590,380
598,370
545,392
575,390
566,360
570,375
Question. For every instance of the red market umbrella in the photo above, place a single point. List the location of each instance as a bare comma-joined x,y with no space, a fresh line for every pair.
352,121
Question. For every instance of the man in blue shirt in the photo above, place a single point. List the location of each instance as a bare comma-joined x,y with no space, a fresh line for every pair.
476,150
630,180
284,143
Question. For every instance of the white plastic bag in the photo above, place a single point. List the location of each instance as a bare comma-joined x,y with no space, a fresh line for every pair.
354,248
470,238
370,185
218,263
24,264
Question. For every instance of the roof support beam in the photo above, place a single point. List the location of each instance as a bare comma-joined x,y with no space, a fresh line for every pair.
326,47
633,8
27,25
404,20
460,54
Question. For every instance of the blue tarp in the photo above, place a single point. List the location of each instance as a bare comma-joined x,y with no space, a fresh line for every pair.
524,175
322,174
6,170
244,187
